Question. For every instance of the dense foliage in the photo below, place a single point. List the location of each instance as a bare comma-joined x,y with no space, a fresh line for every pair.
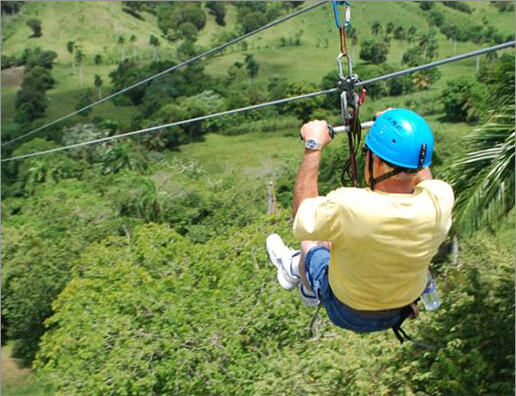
154,314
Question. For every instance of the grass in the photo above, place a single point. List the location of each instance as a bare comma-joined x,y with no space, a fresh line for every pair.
18,381
259,153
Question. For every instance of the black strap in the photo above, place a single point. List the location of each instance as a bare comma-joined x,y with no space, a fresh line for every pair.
350,166
398,331
313,319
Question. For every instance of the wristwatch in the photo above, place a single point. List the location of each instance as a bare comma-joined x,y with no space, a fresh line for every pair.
312,144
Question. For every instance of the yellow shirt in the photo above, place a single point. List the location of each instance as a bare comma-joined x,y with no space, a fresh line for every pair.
382,243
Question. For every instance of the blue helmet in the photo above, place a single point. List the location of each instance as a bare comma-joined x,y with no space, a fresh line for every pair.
402,138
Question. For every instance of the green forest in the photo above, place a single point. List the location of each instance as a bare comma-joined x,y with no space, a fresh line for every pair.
136,266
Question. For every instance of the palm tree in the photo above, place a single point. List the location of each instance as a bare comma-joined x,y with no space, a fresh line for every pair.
69,47
420,81
98,83
153,40
484,179
151,202
132,40
121,41
79,58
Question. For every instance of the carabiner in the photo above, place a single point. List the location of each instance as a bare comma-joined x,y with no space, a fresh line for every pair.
347,23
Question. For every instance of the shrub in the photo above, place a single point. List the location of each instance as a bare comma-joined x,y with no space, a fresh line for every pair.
374,52
461,100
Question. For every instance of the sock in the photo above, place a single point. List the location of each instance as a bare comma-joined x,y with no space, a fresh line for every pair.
305,291
296,256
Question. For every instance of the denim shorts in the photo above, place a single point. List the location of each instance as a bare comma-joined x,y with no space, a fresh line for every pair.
317,261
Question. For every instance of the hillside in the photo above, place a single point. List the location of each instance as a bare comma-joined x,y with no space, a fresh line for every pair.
309,61
138,266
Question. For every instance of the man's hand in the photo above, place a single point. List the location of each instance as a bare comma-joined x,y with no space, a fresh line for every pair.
316,130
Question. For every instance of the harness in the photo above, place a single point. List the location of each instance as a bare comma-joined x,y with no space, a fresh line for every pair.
350,101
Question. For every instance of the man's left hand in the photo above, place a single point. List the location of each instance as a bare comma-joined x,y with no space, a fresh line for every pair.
316,130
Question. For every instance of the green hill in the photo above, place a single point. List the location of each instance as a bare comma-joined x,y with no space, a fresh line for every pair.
96,26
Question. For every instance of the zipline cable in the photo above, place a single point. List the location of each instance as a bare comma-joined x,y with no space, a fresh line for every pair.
150,129
437,63
261,105
188,61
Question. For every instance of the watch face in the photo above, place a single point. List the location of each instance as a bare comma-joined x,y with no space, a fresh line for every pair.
311,144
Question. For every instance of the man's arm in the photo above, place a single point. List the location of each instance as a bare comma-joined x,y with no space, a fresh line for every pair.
306,181
307,177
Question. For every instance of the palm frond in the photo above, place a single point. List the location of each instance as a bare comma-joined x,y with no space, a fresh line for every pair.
484,179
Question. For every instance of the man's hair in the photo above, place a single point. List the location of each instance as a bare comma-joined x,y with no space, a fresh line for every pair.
400,176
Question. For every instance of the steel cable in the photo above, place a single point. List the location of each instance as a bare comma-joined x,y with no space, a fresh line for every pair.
261,105
150,129
436,63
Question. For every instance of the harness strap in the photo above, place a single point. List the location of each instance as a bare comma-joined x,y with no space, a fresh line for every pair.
398,331
375,180
350,166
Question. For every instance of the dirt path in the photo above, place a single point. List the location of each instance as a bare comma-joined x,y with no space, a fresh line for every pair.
13,376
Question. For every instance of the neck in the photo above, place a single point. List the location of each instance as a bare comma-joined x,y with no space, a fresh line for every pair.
395,186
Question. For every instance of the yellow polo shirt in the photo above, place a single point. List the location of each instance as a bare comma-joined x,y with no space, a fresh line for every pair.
382,243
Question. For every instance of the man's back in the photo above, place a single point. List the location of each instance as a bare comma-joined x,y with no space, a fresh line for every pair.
382,242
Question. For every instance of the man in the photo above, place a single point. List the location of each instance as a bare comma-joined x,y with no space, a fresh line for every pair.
365,252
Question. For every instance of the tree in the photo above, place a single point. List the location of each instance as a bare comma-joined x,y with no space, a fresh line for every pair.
170,16
399,33
79,58
121,42
35,25
389,28
84,98
218,9
302,109
11,7
251,65
31,100
252,21
374,52
187,31
462,99
436,17
119,157
98,84
132,40
426,5
376,28
70,46
153,40
411,33
98,59
37,57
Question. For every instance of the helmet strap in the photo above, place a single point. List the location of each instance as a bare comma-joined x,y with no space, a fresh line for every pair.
394,172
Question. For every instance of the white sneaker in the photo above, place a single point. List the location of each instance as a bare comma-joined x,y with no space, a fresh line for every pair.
309,298
284,259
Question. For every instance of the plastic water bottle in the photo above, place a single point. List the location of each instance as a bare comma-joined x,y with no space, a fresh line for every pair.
430,297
